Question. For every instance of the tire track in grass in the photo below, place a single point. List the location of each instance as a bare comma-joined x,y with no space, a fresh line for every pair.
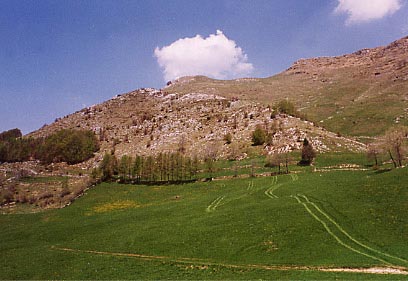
331,233
294,177
348,235
270,190
214,204
203,262
250,186
219,201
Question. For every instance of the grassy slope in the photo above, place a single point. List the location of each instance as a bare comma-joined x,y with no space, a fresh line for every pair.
247,227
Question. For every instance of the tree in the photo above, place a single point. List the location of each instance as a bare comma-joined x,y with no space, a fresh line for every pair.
258,136
108,166
374,151
234,152
278,160
287,159
210,157
395,140
149,169
167,166
308,153
182,145
137,168
194,166
125,168
160,165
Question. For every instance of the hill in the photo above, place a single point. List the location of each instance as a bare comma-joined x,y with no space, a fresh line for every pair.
149,121
360,94
356,94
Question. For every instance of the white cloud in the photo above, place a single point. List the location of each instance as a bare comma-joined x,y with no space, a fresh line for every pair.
360,11
215,56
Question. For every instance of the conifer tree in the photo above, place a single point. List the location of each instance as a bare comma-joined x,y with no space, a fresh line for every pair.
308,153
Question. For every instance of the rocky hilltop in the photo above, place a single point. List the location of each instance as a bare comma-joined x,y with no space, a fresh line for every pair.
358,94
383,63
149,121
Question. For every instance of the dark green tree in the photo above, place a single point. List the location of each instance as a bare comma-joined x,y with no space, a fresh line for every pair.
308,153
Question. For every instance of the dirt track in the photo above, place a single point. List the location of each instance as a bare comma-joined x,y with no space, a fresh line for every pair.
374,270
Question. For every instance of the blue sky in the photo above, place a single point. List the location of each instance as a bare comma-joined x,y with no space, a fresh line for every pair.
57,57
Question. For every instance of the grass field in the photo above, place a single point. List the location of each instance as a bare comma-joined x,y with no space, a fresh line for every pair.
283,227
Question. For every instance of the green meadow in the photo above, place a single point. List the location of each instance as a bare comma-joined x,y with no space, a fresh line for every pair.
278,227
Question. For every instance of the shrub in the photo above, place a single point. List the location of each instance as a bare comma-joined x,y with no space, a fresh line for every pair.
258,136
287,107
228,138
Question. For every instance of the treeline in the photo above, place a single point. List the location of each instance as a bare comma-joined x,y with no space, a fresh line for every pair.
71,146
164,167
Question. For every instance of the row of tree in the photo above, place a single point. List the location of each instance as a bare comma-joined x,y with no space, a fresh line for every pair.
71,146
393,145
164,167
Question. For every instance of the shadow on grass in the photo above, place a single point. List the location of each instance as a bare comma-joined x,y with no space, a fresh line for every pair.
382,171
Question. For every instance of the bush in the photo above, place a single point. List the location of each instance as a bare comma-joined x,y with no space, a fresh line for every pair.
287,107
258,136
228,138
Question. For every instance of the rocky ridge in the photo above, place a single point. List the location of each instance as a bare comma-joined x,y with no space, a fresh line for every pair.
389,62
359,94
149,121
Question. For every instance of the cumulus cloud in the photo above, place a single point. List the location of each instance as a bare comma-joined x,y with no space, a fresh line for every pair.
360,11
215,56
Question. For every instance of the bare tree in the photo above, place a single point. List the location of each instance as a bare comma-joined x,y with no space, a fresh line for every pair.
395,140
234,152
210,156
374,151
277,160
182,145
